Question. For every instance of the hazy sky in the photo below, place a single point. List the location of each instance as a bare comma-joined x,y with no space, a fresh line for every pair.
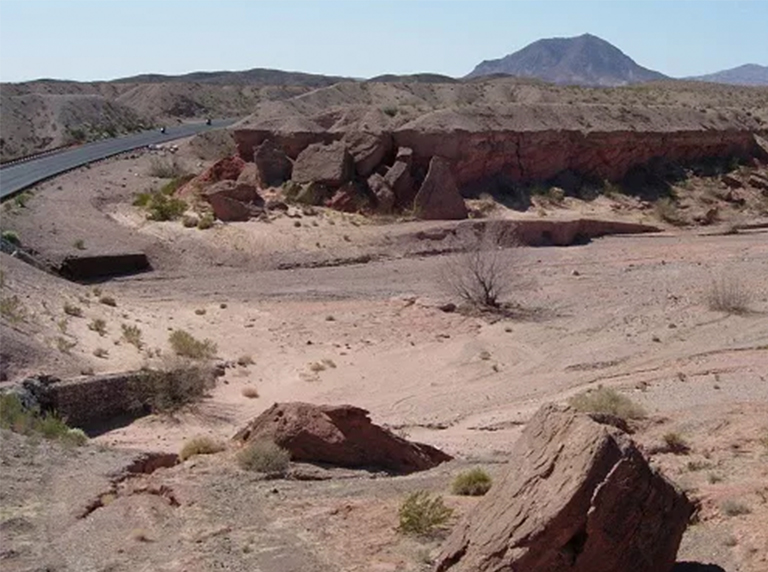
105,39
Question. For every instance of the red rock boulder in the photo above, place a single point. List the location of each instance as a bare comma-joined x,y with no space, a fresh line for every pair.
439,197
329,165
341,435
226,169
233,201
579,497
368,150
399,178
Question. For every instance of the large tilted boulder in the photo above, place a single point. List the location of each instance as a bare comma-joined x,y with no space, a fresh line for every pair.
579,497
439,197
368,150
329,165
399,178
233,201
273,165
341,435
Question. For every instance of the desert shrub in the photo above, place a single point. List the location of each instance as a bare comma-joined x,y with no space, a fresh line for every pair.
22,199
423,514
201,445
390,110
79,244
186,345
606,400
264,457
206,221
189,221
11,236
250,392
475,482
108,301
64,345
99,326
177,384
162,207
175,184
675,443
668,211
19,419
727,294
101,353
12,309
132,335
166,168
245,360
72,310
484,272
734,508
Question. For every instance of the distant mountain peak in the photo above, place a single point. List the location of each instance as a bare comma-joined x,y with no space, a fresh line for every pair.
581,60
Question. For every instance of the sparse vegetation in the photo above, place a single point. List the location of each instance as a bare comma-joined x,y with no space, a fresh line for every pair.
245,360
727,294
99,326
668,211
189,221
186,345
390,111
206,221
167,168
175,384
21,200
734,508
607,400
79,244
101,353
475,482
15,417
484,273
264,457
161,207
64,345
423,514
200,311
108,301
12,309
201,445
675,443
250,392
11,236
72,310
132,335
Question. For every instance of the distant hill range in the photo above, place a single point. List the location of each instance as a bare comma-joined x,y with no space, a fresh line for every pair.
256,76
583,60
748,74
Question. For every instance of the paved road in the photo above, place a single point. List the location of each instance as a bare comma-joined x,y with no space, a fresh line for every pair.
22,175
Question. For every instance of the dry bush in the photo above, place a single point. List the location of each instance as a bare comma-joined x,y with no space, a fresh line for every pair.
475,482
201,445
101,353
108,301
606,400
250,392
72,310
675,443
166,168
175,384
727,294
186,345
245,360
423,514
486,270
132,335
734,508
99,326
264,457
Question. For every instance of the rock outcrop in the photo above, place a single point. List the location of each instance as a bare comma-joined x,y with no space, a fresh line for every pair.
273,165
579,497
439,197
385,196
233,201
399,178
226,169
368,150
329,165
340,435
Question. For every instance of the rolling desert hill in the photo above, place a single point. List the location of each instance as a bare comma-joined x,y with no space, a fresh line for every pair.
748,74
582,60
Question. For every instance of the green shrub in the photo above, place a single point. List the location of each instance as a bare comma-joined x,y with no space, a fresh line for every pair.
475,482
132,335
22,199
186,345
79,244
174,185
264,457
12,236
15,417
201,445
206,221
606,400
176,386
422,514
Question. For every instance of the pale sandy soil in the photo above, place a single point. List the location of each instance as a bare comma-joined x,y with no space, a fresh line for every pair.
627,312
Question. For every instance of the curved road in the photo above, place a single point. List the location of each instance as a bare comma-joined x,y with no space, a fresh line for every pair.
22,175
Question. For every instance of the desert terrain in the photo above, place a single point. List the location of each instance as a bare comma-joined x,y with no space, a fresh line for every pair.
312,303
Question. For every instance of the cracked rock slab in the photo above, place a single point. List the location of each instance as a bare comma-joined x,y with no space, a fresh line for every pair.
579,496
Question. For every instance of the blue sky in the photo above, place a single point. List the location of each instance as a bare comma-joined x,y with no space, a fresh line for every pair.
105,39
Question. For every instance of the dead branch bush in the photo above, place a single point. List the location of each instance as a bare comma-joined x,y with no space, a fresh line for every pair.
727,294
487,270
